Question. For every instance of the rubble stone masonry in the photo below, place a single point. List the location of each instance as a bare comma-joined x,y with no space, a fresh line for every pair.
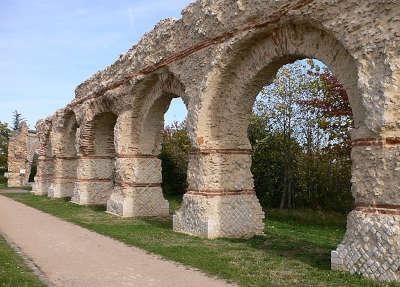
22,148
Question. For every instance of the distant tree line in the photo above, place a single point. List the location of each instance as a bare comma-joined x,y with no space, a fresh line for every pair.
300,136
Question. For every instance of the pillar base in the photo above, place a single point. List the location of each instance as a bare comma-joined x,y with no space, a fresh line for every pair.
92,193
138,202
61,190
41,188
15,180
235,215
371,246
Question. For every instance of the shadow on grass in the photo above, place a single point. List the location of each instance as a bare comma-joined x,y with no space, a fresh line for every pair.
315,255
98,207
290,246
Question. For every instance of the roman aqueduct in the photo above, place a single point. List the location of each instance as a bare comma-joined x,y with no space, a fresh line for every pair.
102,148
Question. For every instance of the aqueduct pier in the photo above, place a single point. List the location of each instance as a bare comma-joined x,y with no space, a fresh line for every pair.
102,148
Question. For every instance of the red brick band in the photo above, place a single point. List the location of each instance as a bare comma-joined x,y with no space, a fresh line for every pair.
136,156
46,159
136,184
221,151
378,208
221,192
376,142
273,18
67,157
64,178
46,175
44,178
97,157
392,140
94,180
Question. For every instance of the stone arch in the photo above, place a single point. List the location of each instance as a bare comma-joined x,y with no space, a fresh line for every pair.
221,166
253,61
96,156
153,110
139,130
103,134
45,172
65,154
33,167
90,112
220,178
250,64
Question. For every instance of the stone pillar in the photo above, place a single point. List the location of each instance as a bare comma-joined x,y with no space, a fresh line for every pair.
64,177
371,246
138,189
95,180
220,201
45,176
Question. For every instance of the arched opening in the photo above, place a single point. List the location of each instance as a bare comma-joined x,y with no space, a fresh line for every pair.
103,168
45,171
33,168
96,160
66,158
138,190
300,139
175,151
103,141
164,135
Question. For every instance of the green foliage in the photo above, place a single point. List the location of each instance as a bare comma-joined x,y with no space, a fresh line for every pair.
4,137
300,137
174,158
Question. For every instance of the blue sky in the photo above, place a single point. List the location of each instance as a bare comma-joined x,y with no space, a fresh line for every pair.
48,47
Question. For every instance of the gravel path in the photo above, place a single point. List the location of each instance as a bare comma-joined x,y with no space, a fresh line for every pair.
69,255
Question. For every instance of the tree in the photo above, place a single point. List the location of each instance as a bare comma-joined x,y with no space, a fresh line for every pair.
174,158
280,103
17,120
335,116
300,137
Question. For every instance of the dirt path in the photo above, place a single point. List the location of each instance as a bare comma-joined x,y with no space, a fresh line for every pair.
69,255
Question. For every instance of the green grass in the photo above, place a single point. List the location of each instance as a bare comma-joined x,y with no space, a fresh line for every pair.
295,250
13,271
4,186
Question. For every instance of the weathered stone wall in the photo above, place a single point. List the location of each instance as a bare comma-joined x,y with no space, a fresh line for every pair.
96,163
45,172
23,146
216,58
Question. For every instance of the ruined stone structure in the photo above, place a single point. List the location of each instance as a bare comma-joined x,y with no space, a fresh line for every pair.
102,148
22,149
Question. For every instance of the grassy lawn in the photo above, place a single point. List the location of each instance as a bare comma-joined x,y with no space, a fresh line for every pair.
295,250
13,271
3,186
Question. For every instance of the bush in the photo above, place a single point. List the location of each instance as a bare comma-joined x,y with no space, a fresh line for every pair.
174,159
